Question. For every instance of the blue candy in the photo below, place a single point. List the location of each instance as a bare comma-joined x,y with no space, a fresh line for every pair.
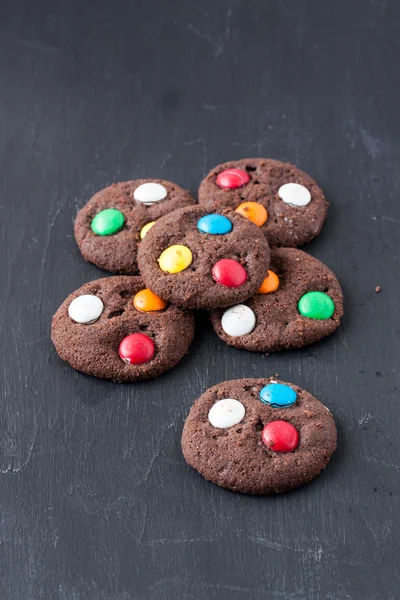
214,224
278,395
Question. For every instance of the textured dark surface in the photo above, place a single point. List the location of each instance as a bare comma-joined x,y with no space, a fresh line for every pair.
278,321
236,457
194,287
96,500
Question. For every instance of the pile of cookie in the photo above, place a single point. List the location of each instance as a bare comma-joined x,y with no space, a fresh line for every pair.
233,253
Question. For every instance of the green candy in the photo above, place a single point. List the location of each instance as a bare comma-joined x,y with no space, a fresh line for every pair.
316,305
108,221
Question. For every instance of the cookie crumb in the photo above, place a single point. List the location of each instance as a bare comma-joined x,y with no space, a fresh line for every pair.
378,289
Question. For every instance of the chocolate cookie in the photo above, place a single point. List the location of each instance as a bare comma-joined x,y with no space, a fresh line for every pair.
117,329
196,259
258,436
285,202
299,302
110,226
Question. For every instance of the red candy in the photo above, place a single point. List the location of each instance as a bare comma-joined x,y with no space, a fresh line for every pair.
232,178
136,349
280,436
229,272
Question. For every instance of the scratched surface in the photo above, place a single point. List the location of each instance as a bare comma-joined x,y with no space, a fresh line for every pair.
96,500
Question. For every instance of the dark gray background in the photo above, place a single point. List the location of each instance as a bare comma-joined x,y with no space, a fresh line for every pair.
96,500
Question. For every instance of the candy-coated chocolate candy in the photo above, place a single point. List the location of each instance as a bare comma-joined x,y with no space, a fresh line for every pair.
229,272
175,259
146,228
150,192
108,221
85,309
294,194
147,301
136,349
238,320
278,395
270,283
316,305
226,413
214,224
232,178
254,211
280,436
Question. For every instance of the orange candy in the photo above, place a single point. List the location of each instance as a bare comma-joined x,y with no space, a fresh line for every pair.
270,283
146,301
254,211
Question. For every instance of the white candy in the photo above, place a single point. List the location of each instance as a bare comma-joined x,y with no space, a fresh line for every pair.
294,194
150,192
85,309
238,320
226,413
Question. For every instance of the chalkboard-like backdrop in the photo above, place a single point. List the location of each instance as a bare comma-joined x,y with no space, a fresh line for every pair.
96,500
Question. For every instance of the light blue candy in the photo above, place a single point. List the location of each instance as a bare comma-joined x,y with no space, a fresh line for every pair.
214,224
278,395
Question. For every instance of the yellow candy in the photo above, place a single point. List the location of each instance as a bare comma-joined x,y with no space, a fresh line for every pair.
175,259
145,229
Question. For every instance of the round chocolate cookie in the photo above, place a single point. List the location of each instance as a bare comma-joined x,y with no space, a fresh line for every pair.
285,202
117,329
299,303
258,436
198,259
110,226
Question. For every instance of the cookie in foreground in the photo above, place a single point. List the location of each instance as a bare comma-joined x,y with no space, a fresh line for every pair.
299,302
114,221
197,259
115,328
286,203
258,436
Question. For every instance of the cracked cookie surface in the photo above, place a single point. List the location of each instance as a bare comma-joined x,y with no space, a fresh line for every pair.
276,321
236,455
186,260
295,215
114,248
93,346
